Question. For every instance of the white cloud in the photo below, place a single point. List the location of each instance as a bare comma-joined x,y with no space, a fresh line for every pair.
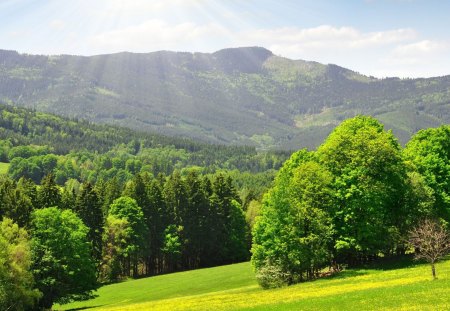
396,52
57,24
299,41
420,48
157,35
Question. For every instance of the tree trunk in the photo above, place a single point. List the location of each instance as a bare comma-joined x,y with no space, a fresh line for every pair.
433,271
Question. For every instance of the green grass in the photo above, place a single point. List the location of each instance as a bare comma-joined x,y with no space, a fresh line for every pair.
3,168
233,287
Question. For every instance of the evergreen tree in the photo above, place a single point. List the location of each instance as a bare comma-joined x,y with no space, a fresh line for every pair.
14,203
88,208
48,193
157,221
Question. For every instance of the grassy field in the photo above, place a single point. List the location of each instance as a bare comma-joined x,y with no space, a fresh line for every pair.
3,168
233,287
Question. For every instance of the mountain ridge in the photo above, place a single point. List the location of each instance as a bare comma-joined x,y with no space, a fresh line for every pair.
244,96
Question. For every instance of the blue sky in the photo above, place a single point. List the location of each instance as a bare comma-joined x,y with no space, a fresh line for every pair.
406,38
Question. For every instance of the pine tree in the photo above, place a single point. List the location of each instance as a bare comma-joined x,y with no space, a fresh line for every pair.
88,208
48,192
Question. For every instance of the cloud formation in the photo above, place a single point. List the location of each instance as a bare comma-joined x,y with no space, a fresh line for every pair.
290,28
380,53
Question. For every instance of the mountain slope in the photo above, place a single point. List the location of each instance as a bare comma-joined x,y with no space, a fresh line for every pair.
235,96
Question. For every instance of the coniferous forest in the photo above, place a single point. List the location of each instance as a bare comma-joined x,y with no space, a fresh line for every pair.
84,205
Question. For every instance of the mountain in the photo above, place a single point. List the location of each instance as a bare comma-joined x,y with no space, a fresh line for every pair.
233,96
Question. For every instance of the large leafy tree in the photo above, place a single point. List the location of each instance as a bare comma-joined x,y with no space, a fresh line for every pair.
62,264
294,229
16,280
429,153
369,178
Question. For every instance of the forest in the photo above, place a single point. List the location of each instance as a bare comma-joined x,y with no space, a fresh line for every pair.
85,204
74,218
247,95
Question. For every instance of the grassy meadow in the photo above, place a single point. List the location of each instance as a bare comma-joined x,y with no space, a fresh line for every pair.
407,286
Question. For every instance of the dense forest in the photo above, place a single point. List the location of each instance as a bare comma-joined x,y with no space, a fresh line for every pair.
138,205
246,96
147,204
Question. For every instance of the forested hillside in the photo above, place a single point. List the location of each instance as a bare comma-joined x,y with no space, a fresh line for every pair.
87,151
139,205
246,96
82,204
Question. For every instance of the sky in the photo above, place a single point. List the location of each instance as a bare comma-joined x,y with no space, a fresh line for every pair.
382,38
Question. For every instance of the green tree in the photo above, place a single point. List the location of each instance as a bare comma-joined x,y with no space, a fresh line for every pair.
115,237
62,264
429,152
369,184
14,203
157,220
231,241
127,208
292,236
172,247
88,208
16,280
48,192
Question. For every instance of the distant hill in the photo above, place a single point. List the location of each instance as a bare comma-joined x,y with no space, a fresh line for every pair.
234,96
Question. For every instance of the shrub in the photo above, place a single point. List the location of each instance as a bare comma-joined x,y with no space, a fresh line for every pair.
272,276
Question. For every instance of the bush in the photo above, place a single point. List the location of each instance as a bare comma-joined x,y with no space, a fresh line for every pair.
271,276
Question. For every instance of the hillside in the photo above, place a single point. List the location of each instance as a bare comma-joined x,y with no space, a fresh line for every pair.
409,287
234,96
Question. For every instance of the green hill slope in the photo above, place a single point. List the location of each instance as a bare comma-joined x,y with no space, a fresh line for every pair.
236,96
234,288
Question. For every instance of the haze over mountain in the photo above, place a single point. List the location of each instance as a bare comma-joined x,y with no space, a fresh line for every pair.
233,96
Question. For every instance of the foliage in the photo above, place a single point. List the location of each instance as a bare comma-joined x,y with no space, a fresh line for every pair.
16,201
295,229
272,276
429,153
16,280
88,208
351,201
368,180
81,150
115,237
171,247
127,209
62,263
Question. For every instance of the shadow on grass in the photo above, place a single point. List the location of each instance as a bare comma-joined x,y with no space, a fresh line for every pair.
84,308
391,263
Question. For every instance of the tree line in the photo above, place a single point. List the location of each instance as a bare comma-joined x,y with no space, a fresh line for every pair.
353,200
74,237
24,130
